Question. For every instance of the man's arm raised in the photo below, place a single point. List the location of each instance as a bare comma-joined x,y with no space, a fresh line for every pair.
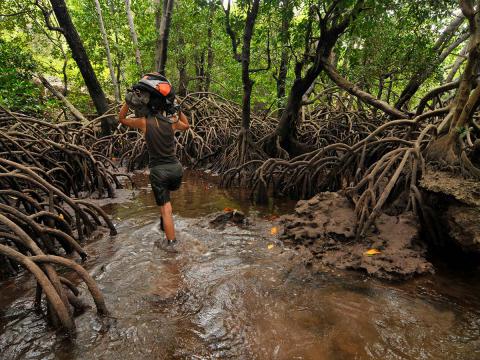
136,123
182,123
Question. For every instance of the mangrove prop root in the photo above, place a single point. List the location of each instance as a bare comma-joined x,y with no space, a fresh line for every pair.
373,158
46,171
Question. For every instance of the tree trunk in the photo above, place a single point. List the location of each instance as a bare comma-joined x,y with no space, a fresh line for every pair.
208,70
118,54
64,70
447,148
80,56
390,87
200,69
107,50
245,59
286,127
182,78
159,5
163,33
282,75
182,67
133,34
287,14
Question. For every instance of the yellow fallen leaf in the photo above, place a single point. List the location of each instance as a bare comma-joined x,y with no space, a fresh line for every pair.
60,216
371,252
270,246
273,230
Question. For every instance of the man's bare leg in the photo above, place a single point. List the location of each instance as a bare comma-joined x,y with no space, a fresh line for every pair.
167,217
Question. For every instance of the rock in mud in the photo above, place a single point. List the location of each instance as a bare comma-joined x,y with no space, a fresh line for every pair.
326,225
221,219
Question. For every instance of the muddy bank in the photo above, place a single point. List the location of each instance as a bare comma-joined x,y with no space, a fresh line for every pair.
454,206
325,225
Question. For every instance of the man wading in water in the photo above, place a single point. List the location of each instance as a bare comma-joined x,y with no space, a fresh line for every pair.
158,118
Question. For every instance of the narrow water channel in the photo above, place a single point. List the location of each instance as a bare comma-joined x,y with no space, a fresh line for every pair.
238,294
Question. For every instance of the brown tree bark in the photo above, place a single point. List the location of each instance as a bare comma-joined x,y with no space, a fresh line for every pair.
332,26
287,15
244,57
163,23
448,148
182,67
204,56
119,56
200,69
80,56
246,50
210,55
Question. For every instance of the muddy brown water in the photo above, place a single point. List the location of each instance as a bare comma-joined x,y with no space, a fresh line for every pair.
227,294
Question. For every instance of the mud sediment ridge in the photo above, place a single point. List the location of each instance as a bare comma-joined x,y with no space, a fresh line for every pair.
325,224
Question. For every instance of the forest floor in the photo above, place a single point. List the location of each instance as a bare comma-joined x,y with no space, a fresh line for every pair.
234,291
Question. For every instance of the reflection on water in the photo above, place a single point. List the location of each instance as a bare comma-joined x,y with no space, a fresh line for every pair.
225,294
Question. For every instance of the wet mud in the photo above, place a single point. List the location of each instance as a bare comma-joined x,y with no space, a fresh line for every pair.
325,225
238,293
455,204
